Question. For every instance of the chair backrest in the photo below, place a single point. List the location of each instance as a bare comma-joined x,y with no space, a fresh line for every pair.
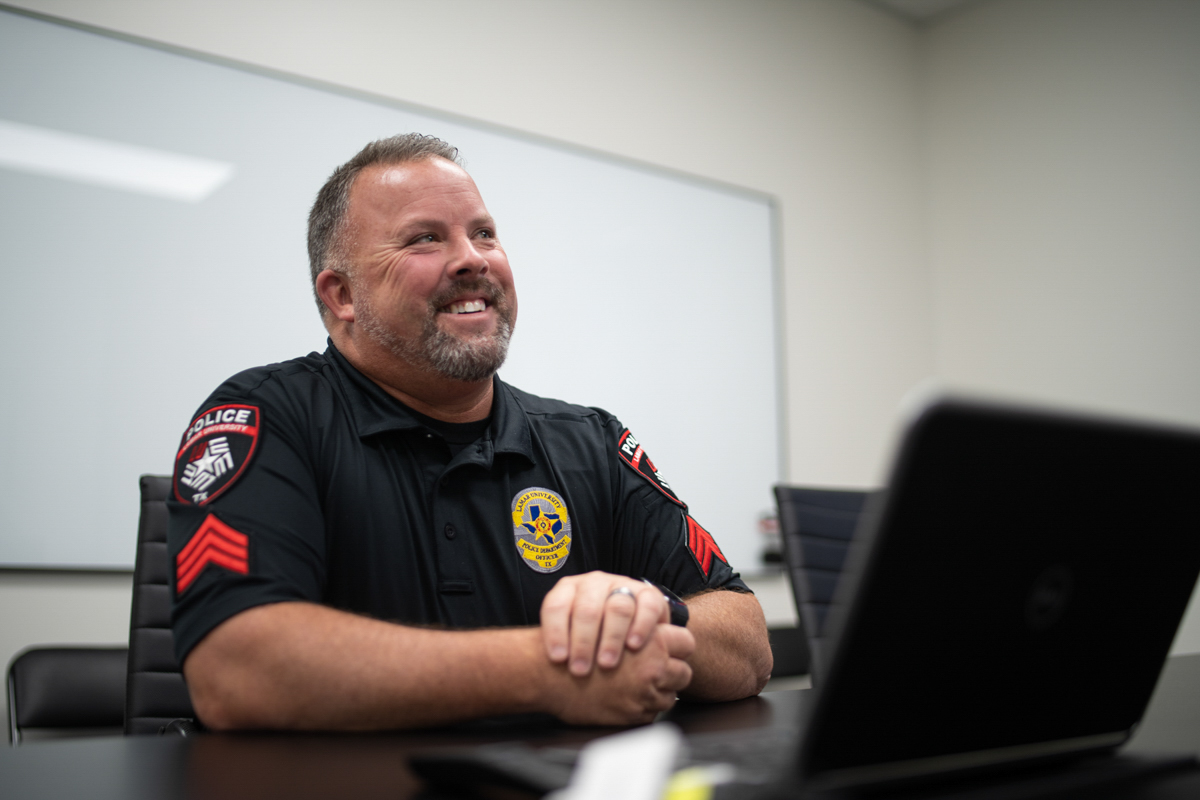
155,692
817,526
66,689
789,649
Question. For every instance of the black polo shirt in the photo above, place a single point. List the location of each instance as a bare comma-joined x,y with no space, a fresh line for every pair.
306,481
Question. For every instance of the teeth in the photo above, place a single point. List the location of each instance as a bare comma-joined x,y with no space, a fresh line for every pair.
466,307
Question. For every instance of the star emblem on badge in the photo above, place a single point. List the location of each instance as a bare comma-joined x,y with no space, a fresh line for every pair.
540,524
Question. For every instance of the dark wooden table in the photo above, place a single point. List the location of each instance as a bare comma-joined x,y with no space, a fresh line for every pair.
298,767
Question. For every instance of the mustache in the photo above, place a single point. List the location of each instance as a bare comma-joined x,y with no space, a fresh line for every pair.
485,288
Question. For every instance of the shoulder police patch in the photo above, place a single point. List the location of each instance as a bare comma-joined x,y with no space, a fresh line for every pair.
216,448
542,529
631,453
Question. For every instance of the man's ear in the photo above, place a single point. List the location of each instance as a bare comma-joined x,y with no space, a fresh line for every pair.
334,290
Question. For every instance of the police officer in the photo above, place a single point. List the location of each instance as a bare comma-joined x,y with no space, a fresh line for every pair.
315,584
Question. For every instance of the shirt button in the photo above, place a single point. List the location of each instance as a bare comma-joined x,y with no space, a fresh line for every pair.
450,532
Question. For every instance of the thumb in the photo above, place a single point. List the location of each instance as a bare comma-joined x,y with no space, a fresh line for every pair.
679,641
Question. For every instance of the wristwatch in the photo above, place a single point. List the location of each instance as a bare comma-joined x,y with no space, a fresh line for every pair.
679,609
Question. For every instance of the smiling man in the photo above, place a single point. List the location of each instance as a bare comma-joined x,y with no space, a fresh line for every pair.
386,535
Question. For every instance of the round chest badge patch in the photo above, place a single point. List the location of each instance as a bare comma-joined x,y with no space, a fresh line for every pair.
543,529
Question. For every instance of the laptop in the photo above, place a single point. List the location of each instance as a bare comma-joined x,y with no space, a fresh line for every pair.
1009,599
1011,596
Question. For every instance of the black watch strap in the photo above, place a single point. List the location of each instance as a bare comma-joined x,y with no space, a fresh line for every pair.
679,609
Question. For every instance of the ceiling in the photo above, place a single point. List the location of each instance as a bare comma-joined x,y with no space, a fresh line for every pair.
920,10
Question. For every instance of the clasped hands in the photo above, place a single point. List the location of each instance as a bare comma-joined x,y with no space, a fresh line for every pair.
614,637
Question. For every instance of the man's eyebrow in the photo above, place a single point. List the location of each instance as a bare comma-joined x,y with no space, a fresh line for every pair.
435,223
431,222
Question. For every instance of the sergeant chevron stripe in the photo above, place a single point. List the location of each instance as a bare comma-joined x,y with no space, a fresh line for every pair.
214,543
703,547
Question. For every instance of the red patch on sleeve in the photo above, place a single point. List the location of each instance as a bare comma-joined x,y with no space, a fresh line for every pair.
213,543
702,546
632,454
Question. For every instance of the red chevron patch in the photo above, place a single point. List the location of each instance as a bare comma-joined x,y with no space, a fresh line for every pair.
703,546
213,543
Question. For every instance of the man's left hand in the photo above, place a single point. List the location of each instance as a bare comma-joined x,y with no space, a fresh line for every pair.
594,617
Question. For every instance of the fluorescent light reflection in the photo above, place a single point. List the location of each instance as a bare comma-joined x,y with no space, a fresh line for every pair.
114,165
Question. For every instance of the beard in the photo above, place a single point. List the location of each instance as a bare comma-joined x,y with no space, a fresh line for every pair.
470,359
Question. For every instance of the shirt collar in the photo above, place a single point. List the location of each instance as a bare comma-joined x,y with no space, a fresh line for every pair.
374,411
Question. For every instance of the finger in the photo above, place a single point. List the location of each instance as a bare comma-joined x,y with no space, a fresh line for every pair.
661,699
676,676
619,610
651,610
556,619
657,703
679,641
586,615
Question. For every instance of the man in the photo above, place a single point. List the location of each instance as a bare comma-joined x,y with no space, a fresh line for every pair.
386,535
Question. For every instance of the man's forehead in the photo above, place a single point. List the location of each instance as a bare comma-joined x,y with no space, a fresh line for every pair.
432,172
394,187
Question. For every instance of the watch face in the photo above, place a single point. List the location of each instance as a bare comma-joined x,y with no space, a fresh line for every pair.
679,609
679,613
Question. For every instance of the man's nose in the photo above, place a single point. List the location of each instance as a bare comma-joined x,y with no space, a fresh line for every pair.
466,260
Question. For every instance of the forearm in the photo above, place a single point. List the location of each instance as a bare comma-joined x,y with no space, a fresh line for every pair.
308,667
732,658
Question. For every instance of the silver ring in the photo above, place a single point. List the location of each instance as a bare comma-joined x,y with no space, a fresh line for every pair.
625,590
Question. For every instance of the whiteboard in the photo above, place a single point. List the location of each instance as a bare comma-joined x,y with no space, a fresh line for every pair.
644,292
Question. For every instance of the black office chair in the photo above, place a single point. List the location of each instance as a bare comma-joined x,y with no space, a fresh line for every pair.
817,526
789,649
66,691
156,697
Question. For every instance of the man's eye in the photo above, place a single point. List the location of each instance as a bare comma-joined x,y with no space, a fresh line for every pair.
424,238
487,234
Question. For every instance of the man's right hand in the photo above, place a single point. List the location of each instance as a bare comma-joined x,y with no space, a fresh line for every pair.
642,685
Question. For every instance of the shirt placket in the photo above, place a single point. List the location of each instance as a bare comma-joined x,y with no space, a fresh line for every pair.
455,550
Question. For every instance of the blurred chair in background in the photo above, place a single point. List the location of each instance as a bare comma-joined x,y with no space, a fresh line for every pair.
790,651
59,692
817,526
156,696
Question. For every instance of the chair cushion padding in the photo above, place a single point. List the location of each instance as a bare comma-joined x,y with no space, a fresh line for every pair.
69,687
790,650
817,527
156,693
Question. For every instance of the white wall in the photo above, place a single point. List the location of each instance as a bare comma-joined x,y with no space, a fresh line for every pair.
1064,165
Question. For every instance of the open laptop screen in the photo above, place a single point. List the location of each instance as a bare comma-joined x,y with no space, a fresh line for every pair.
1013,594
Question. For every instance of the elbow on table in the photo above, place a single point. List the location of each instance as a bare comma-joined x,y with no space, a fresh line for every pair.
742,675
220,706
759,661
230,681
763,665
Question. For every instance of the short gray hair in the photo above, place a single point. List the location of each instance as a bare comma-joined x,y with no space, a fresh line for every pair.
327,220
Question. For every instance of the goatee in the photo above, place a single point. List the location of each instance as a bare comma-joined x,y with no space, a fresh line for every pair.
470,359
